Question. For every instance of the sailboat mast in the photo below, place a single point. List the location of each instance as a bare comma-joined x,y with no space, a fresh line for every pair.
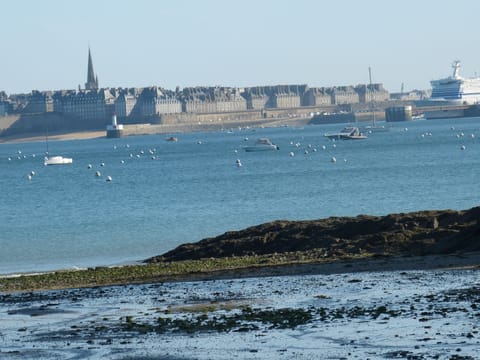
372,105
46,140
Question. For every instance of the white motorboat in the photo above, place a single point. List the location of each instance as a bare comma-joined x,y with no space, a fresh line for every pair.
57,160
348,133
261,144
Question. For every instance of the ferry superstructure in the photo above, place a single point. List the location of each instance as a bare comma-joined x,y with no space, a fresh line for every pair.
455,89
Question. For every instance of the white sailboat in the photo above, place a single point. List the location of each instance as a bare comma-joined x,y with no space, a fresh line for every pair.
54,160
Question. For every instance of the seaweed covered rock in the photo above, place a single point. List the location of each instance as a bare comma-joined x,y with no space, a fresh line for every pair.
416,233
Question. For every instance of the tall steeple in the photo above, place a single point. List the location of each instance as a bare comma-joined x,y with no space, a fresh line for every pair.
92,80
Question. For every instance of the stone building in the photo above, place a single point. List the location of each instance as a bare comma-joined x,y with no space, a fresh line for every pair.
89,104
255,97
317,97
342,95
39,102
126,103
229,100
212,100
372,92
156,101
288,96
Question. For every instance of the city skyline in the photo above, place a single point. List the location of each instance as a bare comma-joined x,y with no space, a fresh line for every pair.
188,44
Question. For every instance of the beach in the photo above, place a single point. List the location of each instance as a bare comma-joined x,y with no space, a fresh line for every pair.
418,307
156,129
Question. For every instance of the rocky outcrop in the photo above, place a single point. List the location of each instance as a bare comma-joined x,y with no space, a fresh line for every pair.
416,233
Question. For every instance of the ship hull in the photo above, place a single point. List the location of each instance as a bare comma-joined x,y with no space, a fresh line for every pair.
444,114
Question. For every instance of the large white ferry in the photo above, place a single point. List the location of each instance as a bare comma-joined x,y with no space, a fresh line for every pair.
455,89
450,95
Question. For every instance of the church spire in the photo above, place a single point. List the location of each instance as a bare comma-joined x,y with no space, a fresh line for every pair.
92,80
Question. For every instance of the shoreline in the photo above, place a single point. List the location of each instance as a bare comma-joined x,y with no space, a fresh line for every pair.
152,129
76,135
107,276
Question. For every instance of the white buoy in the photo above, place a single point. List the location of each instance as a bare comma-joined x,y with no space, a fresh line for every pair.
32,173
333,160
122,161
98,174
462,147
324,147
291,154
102,164
89,166
109,178
334,146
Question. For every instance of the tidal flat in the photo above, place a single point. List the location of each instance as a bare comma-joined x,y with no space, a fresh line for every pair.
413,314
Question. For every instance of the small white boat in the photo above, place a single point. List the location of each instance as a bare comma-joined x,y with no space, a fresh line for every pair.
57,160
54,160
261,144
348,133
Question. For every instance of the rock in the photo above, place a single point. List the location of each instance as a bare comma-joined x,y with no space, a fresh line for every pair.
412,234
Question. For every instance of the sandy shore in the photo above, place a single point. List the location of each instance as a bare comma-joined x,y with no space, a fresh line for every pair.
151,129
79,135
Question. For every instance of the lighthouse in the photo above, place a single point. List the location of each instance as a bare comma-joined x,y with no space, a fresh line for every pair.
114,130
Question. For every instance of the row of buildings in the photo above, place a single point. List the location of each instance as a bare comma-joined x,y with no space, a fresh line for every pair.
154,101
99,103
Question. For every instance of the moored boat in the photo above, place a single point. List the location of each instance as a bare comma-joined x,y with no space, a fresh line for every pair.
347,133
57,160
262,144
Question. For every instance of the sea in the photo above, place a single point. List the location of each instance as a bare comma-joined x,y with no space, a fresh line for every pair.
166,193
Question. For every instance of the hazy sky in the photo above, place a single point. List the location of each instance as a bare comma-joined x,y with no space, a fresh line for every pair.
183,43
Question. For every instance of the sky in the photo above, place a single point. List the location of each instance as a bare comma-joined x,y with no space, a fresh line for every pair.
170,43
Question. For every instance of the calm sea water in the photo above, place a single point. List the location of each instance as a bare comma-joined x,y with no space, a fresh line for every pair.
67,217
